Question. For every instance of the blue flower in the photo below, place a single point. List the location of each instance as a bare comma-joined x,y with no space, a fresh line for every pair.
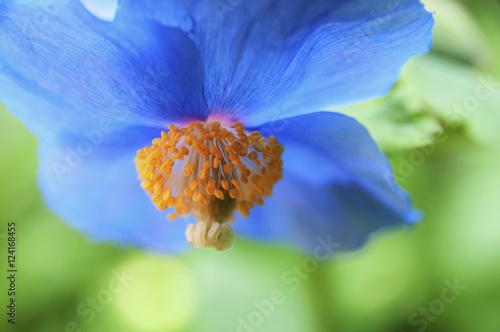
211,91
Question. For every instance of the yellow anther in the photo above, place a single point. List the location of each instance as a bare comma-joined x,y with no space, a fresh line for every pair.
194,184
197,196
210,190
235,183
204,169
162,205
167,194
188,193
216,162
239,127
234,193
188,170
228,168
259,147
179,202
219,194
225,184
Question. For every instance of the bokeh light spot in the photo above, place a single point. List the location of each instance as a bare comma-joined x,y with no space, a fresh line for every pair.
161,296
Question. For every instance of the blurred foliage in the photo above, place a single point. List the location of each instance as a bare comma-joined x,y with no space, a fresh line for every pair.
449,165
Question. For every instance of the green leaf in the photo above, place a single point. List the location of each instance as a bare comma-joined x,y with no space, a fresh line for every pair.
399,122
458,95
457,33
18,151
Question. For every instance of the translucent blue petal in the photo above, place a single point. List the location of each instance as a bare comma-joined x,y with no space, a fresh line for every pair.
91,182
46,120
336,184
143,73
297,56
87,175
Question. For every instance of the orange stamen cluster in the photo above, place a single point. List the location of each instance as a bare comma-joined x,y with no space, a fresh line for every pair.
208,170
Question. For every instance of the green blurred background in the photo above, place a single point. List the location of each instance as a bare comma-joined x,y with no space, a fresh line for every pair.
447,160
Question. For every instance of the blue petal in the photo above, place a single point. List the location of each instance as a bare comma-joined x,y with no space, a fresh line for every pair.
87,175
46,120
91,182
143,73
337,184
273,59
